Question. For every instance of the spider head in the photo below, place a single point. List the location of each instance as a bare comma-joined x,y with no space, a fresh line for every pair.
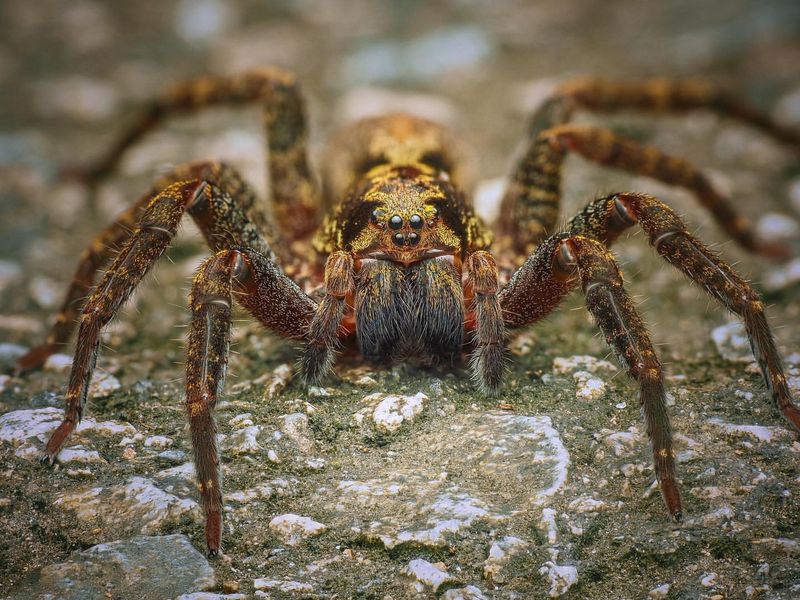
403,214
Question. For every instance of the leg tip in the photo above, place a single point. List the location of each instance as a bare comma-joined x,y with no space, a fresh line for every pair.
213,553
47,459
677,517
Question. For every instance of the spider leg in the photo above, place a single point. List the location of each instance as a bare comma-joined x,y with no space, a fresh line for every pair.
487,358
294,192
223,224
656,95
606,218
531,203
256,283
323,332
545,279
102,248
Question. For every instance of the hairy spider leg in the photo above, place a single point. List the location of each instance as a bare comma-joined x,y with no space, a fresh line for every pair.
224,226
294,192
661,95
256,283
323,332
530,206
487,360
606,218
545,279
106,244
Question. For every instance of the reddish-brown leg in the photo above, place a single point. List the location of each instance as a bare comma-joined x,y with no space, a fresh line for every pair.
530,207
531,203
256,283
157,226
243,221
294,192
323,333
606,218
223,223
542,283
487,360
666,96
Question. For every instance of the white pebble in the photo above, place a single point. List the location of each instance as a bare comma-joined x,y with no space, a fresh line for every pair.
292,529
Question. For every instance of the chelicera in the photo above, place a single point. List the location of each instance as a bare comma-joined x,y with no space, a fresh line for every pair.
406,267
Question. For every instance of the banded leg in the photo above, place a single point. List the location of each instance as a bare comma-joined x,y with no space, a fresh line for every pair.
271,297
658,95
546,278
487,359
323,332
294,192
606,218
238,220
530,205
532,200
223,223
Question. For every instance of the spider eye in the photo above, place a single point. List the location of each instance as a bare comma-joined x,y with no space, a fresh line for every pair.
377,217
396,222
416,221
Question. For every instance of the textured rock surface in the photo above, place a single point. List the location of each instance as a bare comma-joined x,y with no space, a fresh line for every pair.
140,567
422,483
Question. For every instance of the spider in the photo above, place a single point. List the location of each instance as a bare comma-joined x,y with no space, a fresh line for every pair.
401,262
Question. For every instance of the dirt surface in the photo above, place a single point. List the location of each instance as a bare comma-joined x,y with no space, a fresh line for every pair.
573,487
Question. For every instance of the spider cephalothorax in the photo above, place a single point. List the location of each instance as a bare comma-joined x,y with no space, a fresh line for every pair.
406,266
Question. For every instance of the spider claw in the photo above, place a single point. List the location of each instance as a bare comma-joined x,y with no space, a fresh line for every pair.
47,459
213,553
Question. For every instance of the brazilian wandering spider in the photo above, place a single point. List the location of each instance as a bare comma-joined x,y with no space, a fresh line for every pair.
405,263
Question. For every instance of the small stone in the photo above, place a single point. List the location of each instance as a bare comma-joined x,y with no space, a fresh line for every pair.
732,342
660,592
762,433
244,441
279,379
174,457
709,579
263,491
561,577
587,504
782,277
292,529
562,365
318,392
287,587
393,410
500,553
58,363
230,587
242,420
79,454
774,226
429,574
588,387
295,427
129,453
469,592
158,441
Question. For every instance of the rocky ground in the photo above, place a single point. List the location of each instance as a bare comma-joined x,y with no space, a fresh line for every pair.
398,482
